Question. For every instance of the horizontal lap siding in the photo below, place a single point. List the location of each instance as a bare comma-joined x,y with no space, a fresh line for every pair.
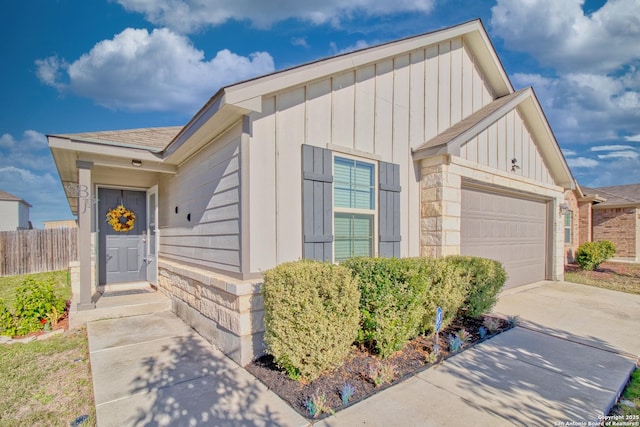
207,188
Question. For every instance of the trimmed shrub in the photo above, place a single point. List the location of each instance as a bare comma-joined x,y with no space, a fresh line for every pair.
590,255
392,306
484,278
399,298
311,316
445,289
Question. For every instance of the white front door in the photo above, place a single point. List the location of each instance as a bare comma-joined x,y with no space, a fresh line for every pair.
152,236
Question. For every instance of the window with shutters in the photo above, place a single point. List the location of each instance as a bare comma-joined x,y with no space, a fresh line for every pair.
354,208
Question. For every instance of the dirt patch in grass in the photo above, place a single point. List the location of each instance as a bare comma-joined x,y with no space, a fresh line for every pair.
46,383
617,276
359,370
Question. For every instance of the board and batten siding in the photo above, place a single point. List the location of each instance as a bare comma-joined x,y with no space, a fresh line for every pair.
379,111
206,192
504,140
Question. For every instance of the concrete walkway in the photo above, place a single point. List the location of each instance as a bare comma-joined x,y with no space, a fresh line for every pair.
153,370
567,363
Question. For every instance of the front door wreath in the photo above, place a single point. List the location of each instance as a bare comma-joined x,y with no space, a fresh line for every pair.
121,218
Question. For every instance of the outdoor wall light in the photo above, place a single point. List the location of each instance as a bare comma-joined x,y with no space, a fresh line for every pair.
136,162
564,208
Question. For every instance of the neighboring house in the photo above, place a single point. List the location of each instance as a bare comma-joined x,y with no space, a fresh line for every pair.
577,212
415,147
617,218
14,213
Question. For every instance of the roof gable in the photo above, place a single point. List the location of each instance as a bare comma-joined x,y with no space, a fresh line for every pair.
454,139
12,198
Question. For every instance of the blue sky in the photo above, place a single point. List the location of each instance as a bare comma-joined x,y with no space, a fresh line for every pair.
75,65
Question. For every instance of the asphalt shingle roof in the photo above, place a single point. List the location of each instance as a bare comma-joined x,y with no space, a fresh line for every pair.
156,138
8,196
617,194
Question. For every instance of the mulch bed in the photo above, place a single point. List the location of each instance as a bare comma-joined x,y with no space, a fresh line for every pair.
356,371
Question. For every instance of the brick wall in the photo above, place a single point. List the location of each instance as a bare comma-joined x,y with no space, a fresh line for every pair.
584,233
619,226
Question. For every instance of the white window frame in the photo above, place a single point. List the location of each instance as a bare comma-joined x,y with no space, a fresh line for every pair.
374,211
568,214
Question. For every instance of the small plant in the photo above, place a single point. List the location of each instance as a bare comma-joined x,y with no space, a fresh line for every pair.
464,336
513,321
431,358
316,405
455,343
292,372
482,331
492,324
7,321
381,374
346,393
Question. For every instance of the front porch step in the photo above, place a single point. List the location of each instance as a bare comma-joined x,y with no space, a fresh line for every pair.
121,302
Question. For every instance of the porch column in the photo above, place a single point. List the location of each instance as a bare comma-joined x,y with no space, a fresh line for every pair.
440,207
85,212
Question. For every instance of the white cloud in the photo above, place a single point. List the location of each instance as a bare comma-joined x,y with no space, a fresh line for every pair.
633,138
559,34
620,155
157,71
188,16
585,108
300,41
611,148
360,44
582,162
568,153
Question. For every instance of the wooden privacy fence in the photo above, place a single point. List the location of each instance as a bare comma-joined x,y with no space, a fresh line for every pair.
37,251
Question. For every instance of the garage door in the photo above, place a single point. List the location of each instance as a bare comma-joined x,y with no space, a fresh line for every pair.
508,229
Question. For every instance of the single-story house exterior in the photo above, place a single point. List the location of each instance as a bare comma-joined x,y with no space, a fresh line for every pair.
419,146
14,212
616,217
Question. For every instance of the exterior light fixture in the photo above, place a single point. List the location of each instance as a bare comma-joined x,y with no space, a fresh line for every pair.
564,208
136,162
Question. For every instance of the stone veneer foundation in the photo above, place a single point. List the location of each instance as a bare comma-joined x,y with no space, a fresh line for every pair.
226,311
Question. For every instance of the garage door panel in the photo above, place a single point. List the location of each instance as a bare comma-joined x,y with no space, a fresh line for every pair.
508,229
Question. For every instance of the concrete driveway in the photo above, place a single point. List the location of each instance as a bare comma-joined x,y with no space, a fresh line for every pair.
566,363
592,316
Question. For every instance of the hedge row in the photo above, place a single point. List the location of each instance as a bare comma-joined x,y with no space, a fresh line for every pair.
315,311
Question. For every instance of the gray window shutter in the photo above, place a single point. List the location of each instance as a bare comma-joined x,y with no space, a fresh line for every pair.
317,209
389,210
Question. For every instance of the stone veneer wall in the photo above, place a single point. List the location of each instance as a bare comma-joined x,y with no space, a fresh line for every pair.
619,226
226,311
441,205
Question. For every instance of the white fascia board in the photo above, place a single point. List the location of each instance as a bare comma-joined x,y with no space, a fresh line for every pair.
550,150
453,146
120,163
102,149
256,88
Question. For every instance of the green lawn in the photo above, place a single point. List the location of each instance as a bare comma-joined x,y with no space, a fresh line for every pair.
632,394
62,287
48,382
617,276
